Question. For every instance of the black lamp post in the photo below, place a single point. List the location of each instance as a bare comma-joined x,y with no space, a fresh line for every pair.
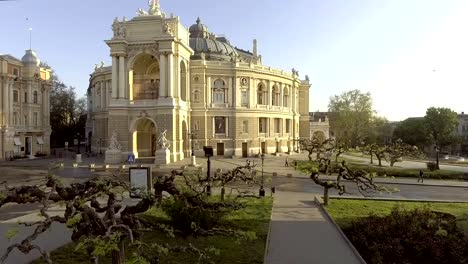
78,151
208,153
192,135
100,151
262,191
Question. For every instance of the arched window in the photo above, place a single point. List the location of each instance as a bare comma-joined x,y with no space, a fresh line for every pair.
275,96
261,94
35,97
219,92
285,97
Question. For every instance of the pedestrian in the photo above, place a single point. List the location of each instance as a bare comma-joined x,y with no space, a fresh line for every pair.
295,164
421,176
286,163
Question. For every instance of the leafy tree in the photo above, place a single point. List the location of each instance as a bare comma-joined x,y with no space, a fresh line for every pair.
67,112
352,116
413,131
441,123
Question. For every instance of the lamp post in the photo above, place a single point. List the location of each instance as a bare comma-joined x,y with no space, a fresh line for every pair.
437,149
262,191
100,151
78,151
208,153
192,136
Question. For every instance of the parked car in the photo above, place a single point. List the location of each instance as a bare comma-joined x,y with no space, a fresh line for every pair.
453,158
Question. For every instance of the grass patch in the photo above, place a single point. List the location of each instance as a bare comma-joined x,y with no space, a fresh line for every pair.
344,211
255,217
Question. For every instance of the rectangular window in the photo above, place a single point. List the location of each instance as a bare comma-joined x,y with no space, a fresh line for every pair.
15,96
25,97
26,120
35,97
277,125
245,126
15,118
15,71
244,98
218,96
35,119
220,125
262,125
288,126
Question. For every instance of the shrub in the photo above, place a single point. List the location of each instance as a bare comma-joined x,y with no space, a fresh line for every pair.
432,166
418,236
187,219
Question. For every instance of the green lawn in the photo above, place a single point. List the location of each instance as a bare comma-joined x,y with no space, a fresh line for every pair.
346,210
255,218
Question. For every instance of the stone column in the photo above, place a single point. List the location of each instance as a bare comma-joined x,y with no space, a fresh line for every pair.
162,81
5,111
103,94
114,77
208,91
121,77
170,78
281,94
228,94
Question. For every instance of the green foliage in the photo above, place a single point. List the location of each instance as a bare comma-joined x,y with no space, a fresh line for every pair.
441,123
413,131
351,116
101,247
187,219
11,233
431,165
418,236
73,222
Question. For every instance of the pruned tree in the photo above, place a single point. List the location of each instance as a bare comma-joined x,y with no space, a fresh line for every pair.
398,149
363,180
103,222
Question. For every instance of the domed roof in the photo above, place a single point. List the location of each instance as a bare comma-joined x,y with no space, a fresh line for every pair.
198,30
215,48
30,58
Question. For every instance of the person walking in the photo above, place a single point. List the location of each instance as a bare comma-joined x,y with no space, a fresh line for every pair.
286,163
421,176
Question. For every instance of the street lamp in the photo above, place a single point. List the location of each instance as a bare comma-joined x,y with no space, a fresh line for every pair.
262,191
192,136
100,151
437,149
208,153
78,151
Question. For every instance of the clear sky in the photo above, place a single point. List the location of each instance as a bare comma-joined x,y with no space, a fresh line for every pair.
410,54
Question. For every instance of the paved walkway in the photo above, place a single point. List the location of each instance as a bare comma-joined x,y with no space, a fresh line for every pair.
301,234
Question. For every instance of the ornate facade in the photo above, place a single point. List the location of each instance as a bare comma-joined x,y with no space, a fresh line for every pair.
196,86
24,112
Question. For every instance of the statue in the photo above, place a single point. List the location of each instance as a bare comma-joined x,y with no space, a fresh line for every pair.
102,64
154,7
162,140
141,12
114,144
118,29
166,28
95,67
307,78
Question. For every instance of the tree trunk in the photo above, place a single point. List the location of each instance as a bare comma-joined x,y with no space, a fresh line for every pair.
118,256
325,195
310,156
380,161
437,161
371,158
222,193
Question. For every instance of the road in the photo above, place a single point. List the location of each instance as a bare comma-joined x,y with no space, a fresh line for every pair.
412,164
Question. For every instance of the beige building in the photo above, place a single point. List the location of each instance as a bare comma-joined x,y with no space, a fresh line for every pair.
192,84
319,125
24,112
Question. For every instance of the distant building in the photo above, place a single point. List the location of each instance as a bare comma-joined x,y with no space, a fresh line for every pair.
319,125
462,132
192,84
24,109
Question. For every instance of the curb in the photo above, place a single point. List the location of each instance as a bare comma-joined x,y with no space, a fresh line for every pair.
267,244
318,200
394,199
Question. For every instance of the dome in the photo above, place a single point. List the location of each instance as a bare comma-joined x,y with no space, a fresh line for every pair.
215,48
30,58
198,30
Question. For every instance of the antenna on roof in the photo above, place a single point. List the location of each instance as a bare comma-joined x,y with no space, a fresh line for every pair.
30,38
30,33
